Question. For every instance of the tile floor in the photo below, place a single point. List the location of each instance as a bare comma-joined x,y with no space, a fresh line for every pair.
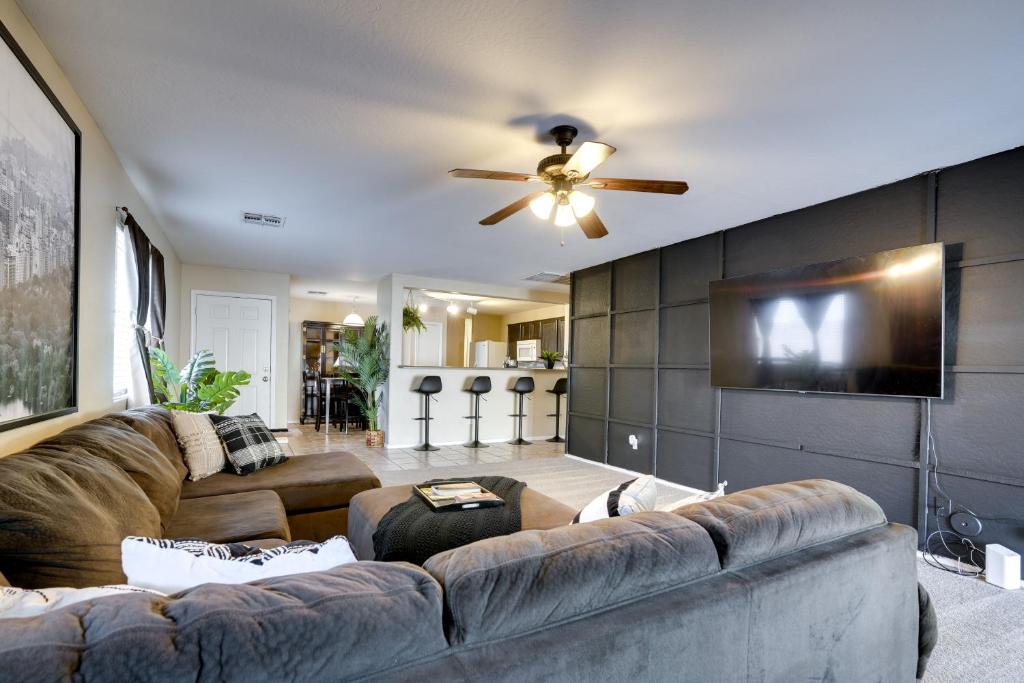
303,439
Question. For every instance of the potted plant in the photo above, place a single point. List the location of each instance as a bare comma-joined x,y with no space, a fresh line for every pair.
198,387
365,358
550,358
411,320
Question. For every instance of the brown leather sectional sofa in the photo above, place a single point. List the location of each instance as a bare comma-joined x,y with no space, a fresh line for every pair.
67,502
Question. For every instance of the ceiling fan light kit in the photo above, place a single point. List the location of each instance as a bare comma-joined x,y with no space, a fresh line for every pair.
565,172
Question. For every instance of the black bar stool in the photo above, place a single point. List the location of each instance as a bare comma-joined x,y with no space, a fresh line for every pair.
481,385
558,390
429,385
523,386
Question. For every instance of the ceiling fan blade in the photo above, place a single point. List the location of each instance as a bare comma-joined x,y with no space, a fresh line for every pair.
589,156
592,226
630,185
491,175
517,205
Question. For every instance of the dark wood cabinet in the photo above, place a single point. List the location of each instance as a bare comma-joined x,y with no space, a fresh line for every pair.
550,331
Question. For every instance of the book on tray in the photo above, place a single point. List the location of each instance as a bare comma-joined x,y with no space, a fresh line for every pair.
462,495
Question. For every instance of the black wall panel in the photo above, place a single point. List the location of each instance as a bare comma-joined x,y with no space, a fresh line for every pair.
632,396
686,458
847,424
998,506
686,269
591,290
587,390
634,338
684,335
590,341
745,465
635,281
586,436
620,454
686,400
990,329
981,205
871,443
887,217
979,426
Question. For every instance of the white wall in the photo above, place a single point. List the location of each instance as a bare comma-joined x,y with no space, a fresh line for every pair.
311,309
104,186
234,281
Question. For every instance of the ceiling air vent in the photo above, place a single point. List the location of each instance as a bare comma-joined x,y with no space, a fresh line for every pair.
255,218
316,292
557,278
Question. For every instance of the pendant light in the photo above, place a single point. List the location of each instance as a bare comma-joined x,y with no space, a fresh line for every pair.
353,319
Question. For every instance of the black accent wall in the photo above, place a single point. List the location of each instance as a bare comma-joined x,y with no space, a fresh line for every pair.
639,357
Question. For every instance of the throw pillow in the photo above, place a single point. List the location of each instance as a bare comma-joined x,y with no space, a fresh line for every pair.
29,602
249,444
695,498
173,565
203,451
635,495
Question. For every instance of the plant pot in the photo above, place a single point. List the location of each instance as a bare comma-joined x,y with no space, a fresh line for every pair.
549,364
375,438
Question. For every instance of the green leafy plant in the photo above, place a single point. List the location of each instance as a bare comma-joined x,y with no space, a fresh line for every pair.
550,358
365,358
411,320
198,387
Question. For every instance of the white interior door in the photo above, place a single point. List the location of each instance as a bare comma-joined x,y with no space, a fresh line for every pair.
238,330
430,345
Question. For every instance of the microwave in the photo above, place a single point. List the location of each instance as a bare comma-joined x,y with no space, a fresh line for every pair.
528,350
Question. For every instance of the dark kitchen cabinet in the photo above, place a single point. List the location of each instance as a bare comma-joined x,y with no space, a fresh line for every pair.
550,331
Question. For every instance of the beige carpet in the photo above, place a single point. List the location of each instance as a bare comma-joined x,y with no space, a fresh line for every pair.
570,481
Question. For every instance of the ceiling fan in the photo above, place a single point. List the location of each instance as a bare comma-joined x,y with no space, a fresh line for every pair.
564,173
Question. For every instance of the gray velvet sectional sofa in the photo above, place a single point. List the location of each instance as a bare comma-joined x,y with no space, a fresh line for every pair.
796,582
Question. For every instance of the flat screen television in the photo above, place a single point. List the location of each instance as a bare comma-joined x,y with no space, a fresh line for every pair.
866,325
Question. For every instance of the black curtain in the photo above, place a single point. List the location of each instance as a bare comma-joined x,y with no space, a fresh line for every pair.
141,248
157,296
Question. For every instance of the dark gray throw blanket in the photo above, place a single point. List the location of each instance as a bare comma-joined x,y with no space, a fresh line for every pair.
413,532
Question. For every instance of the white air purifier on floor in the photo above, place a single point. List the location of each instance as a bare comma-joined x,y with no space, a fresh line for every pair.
1002,566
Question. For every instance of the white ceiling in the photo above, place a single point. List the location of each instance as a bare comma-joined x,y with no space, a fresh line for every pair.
344,116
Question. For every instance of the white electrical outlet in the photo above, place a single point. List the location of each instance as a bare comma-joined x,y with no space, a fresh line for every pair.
634,442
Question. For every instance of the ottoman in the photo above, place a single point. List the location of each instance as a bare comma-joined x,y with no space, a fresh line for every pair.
366,509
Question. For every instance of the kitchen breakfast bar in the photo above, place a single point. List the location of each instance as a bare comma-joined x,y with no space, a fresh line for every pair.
450,407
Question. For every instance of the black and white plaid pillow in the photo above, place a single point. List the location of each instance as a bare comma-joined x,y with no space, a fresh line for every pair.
248,443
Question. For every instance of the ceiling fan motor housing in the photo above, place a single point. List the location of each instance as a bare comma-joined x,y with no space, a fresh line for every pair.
550,167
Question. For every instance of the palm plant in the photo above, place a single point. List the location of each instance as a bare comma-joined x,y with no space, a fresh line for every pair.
198,387
365,358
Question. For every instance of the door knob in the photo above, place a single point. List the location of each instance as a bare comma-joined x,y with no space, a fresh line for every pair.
265,378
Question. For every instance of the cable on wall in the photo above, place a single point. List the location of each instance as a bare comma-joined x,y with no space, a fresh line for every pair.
967,560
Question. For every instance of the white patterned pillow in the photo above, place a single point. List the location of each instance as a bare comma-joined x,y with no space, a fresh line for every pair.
248,443
173,565
203,451
29,602
635,495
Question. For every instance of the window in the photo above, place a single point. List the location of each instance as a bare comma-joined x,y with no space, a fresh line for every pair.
123,323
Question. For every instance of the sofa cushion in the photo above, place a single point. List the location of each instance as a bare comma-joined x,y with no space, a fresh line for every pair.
131,451
508,585
366,509
63,516
335,625
231,518
200,445
154,423
306,483
769,521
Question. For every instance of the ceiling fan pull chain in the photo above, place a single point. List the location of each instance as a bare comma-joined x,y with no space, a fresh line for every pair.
561,235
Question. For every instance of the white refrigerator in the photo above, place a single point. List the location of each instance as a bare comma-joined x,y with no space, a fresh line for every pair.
489,354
